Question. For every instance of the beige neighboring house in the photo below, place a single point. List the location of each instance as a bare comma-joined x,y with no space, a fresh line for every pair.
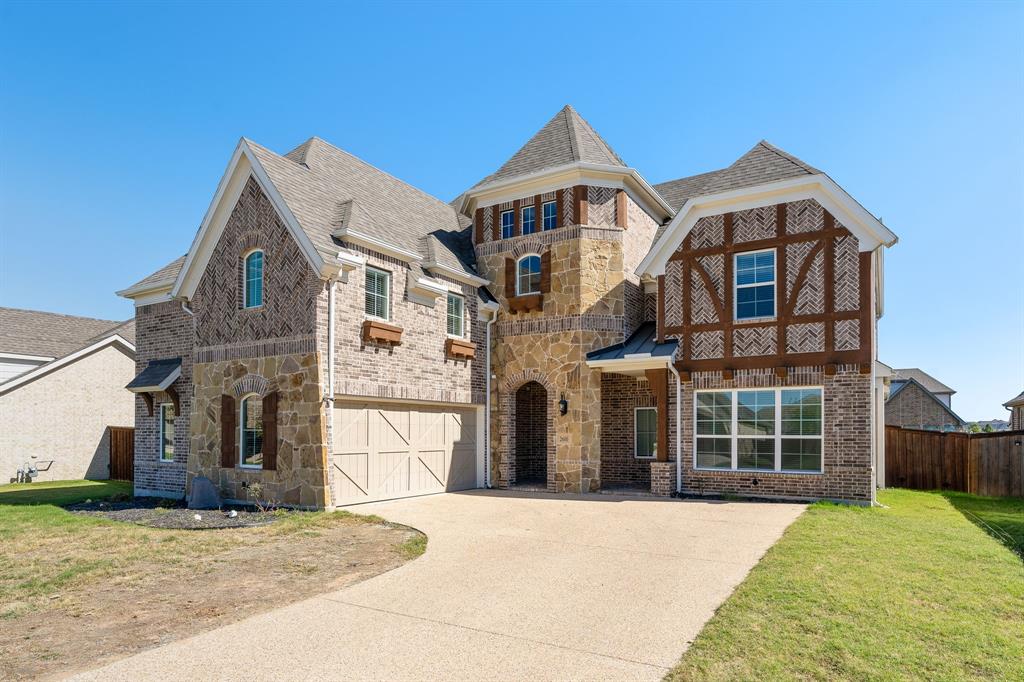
62,384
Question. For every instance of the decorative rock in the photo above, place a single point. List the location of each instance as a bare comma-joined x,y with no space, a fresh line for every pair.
204,494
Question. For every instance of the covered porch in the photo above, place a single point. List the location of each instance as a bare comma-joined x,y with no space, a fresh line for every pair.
638,412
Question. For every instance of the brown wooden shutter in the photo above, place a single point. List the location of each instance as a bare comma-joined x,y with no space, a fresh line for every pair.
495,223
227,431
478,226
270,431
510,277
545,272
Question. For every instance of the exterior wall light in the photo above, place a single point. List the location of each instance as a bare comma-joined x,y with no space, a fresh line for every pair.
563,406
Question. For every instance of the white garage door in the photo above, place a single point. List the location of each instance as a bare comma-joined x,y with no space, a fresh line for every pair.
383,451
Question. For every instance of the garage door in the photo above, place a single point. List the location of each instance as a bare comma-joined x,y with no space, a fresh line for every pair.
383,451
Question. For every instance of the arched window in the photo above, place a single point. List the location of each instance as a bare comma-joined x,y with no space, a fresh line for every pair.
250,431
528,275
253,280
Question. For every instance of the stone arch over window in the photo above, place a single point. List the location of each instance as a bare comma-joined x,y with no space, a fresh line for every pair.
507,417
251,384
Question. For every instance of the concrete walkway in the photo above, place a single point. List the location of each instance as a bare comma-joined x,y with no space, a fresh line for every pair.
512,586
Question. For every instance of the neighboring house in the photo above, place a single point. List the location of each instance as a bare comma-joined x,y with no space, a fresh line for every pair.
62,384
340,336
1016,408
917,400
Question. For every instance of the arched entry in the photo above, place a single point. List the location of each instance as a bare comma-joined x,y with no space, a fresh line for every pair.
531,460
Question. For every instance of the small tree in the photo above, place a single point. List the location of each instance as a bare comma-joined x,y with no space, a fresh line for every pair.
973,428
988,428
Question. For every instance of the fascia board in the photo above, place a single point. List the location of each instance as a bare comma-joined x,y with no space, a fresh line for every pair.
42,370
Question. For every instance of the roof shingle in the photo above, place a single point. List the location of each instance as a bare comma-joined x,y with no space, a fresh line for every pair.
33,332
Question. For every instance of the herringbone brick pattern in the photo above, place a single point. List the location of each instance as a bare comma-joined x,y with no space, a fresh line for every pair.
810,300
567,206
674,293
707,345
708,231
847,334
847,281
805,215
796,254
753,224
805,338
702,306
602,205
750,341
290,286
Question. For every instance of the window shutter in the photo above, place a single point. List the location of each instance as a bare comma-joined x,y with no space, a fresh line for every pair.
270,431
478,226
227,431
545,272
510,277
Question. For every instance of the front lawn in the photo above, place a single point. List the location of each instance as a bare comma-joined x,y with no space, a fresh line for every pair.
77,591
912,591
1000,517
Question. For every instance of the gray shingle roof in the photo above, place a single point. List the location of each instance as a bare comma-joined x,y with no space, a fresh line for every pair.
166,274
926,380
676,192
33,332
565,139
327,188
1019,400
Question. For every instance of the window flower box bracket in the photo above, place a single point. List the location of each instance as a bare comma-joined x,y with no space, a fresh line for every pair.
526,303
376,331
458,349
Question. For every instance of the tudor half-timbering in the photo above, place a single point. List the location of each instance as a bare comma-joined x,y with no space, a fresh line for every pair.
339,336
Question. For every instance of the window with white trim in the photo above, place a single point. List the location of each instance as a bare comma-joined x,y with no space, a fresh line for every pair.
166,432
378,293
755,284
252,296
508,223
528,275
549,209
250,431
645,432
778,429
529,221
456,315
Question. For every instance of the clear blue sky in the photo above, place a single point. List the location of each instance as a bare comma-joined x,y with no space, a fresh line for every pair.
117,120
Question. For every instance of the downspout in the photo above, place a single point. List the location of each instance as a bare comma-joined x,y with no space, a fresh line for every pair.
184,306
679,427
487,405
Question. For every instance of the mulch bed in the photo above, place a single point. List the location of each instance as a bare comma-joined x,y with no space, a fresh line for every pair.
157,512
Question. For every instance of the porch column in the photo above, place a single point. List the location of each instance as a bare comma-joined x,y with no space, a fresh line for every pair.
658,379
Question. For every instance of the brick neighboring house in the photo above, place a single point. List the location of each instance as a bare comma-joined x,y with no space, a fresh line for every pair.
917,400
340,336
62,383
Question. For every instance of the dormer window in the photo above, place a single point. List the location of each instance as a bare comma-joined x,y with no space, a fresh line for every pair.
508,221
252,295
528,275
755,285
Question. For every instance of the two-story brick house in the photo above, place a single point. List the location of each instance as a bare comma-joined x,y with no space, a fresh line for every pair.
339,336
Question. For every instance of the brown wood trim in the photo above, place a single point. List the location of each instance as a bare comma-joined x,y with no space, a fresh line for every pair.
517,218
801,276
727,310
759,244
781,260
559,207
830,369
658,379
173,393
800,319
865,368
538,214
866,312
782,372
148,399
375,331
830,282
526,303
684,376
727,374
459,349
581,204
228,457
270,431
510,277
719,309
661,309
545,272
621,211
496,222
478,226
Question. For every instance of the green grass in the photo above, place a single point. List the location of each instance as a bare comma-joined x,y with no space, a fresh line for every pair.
911,591
1000,517
62,492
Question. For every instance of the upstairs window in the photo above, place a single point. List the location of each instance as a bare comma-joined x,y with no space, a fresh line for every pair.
550,216
456,315
250,424
378,293
528,275
508,223
755,284
529,223
253,280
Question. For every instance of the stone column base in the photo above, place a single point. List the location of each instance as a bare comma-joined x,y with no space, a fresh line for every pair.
663,478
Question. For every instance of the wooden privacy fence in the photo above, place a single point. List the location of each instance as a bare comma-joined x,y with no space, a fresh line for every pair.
989,464
122,453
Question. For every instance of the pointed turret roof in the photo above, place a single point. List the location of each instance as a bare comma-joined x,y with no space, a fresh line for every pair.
567,138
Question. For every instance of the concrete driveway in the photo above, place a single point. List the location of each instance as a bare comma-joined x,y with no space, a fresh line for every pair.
512,586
